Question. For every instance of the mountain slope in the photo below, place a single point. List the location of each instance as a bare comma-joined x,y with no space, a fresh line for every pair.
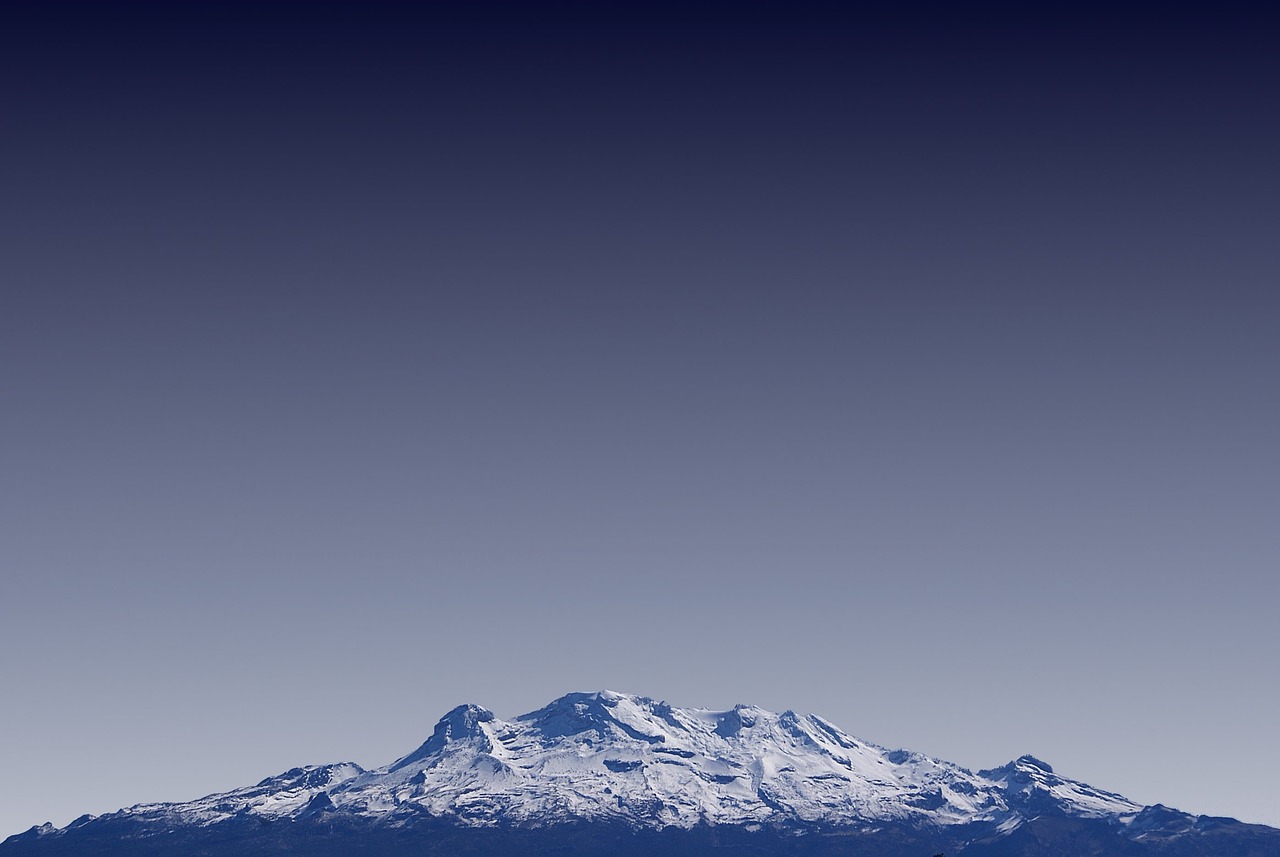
615,762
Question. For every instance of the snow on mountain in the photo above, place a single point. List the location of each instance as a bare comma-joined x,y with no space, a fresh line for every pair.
612,756
1032,788
615,757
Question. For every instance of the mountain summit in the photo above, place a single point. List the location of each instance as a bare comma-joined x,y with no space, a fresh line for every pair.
619,762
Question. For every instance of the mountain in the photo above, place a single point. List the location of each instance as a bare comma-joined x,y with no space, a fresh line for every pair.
614,773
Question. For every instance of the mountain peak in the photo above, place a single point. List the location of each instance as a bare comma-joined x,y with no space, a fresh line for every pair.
1028,761
603,713
459,724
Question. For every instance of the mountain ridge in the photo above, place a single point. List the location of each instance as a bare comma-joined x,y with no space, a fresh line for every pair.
613,761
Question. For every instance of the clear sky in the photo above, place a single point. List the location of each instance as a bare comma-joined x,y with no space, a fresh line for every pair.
916,368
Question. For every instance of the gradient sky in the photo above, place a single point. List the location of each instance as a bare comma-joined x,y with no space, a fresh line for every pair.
917,368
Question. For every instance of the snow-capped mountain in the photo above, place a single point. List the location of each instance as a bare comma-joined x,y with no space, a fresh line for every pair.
621,760
613,756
